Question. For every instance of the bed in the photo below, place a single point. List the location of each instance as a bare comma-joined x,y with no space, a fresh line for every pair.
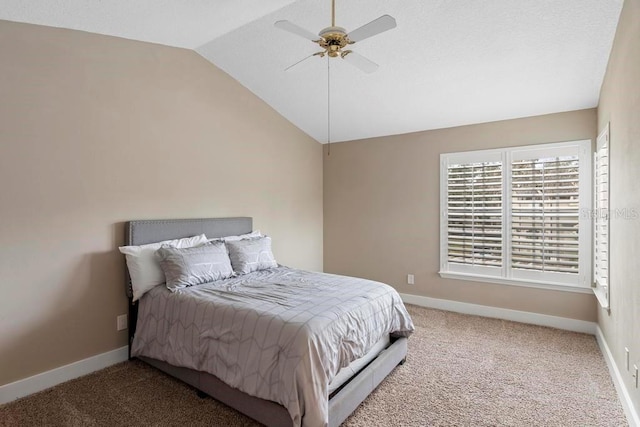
261,313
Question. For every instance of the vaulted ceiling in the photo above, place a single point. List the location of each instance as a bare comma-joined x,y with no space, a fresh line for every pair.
448,63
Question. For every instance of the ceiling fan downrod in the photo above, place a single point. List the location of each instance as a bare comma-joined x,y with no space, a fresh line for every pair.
333,13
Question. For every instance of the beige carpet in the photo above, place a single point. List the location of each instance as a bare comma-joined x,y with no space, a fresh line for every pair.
461,370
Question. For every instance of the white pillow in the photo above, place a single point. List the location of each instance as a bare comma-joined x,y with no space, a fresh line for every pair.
251,235
144,268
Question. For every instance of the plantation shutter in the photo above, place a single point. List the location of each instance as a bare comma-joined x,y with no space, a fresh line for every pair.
474,214
601,218
518,215
545,214
601,235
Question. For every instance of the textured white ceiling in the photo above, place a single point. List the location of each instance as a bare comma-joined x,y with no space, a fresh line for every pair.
181,23
448,63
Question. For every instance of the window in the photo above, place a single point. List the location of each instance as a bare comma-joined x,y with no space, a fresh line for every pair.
514,215
601,218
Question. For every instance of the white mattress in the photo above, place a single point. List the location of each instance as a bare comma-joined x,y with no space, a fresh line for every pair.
347,372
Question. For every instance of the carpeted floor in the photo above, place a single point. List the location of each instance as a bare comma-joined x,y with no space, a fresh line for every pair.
461,370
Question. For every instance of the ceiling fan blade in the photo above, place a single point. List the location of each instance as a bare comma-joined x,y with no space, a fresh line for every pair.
360,61
302,60
377,26
293,28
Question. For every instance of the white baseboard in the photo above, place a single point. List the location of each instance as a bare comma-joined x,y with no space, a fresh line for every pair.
625,398
45,380
503,313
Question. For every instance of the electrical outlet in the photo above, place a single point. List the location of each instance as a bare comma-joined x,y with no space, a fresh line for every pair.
410,279
626,351
121,322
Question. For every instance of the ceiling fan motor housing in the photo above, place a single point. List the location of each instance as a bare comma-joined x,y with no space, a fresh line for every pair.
333,39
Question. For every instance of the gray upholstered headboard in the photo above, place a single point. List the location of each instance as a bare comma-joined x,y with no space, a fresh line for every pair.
151,231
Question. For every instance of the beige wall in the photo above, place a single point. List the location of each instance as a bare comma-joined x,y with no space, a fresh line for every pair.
620,106
95,131
381,210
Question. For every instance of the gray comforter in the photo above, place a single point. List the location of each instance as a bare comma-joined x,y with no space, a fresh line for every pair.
278,334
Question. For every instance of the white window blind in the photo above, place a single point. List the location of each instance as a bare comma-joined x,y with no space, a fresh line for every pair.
601,218
545,213
474,204
513,215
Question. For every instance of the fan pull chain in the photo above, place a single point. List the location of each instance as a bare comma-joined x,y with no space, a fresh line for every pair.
328,106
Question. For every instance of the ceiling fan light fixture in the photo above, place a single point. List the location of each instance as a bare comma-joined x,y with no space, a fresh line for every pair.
333,39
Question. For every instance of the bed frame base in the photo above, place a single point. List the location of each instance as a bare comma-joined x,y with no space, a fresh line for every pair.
359,387
271,414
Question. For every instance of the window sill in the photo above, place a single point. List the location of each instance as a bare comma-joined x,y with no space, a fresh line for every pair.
601,295
515,282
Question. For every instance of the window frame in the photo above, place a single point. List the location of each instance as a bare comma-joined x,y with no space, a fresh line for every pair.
580,282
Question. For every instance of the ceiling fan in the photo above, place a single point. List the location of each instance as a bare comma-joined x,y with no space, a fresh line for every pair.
334,39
